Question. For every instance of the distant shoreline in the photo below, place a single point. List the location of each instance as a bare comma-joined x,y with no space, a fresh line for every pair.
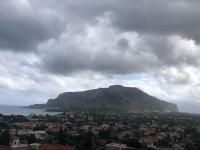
22,110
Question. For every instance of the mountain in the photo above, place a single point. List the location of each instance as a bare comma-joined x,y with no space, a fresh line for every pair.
116,97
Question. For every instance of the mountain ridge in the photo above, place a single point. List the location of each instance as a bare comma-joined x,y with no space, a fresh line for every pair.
115,97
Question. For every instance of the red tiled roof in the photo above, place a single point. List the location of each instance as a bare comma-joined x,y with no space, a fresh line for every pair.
56,147
9,148
5,148
43,147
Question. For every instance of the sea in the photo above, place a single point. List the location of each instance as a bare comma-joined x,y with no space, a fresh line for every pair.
20,110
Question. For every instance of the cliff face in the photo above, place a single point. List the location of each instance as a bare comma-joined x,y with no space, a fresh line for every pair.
115,97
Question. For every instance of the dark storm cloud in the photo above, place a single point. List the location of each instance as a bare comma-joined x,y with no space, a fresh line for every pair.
165,49
23,26
115,57
30,23
123,43
164,17
154,21
118,55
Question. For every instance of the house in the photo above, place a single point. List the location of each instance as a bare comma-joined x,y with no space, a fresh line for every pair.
116,146
35,146
124,135
39,134
104,127
15,143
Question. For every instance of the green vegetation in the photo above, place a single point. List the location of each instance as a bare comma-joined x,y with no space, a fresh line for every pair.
5,138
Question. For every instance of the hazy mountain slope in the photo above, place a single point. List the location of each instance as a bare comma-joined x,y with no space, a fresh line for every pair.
115,97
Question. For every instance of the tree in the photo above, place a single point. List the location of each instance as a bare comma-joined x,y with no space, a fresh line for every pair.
5,138
31,139
40,127
49,139
61,136
4,125
86,141
105,134
132,142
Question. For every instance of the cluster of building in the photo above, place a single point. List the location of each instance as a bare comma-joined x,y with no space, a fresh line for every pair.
87,130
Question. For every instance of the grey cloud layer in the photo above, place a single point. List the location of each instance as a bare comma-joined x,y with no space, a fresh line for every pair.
156,16
23,26
112,37
160,17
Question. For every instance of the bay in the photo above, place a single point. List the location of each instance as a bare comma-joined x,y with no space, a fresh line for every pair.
19,110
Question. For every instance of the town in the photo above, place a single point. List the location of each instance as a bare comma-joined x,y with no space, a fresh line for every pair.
100,130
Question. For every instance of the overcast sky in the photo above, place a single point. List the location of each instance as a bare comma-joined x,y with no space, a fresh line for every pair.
50,46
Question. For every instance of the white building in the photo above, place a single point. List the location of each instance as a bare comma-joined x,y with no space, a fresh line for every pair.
115,146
